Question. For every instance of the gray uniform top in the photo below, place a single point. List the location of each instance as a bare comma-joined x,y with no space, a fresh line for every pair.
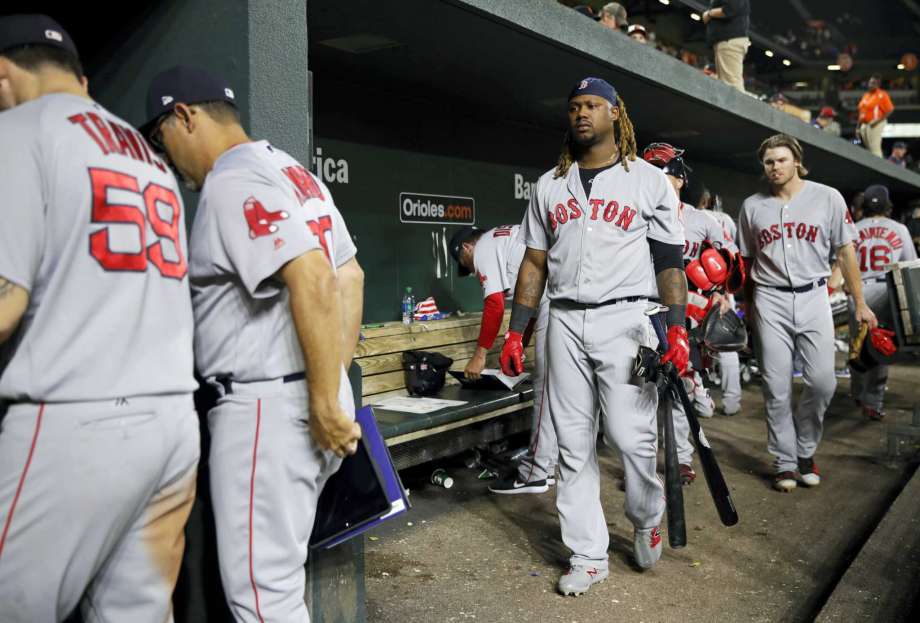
258,210
882,242
791,244
700,226
727,222
497,259
597,247
93,228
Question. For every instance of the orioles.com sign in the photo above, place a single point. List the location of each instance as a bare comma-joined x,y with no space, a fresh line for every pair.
438,209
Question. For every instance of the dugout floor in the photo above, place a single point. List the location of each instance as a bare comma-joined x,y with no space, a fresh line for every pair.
466,555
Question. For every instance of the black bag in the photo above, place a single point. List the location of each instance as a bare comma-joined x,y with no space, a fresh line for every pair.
425,371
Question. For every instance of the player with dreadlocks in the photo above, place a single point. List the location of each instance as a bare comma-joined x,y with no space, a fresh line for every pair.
597,236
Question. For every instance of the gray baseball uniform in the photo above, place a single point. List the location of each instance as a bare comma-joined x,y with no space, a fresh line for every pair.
729,365
99,447
699,227
790,245
258,210
882,242
497,259
600,275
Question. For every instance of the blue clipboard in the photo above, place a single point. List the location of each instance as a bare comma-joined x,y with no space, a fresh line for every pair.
346,510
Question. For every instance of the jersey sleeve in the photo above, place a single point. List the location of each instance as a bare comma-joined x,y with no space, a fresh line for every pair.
909,251
258,229
22,234
718,235
488,268
533,230
842,230
664,224
746,244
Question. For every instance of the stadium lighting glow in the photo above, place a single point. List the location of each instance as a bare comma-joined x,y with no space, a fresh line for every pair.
787,62
833,67
900,65
768,53
665,2
695,17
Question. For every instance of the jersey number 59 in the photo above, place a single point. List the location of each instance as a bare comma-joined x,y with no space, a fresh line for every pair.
104,211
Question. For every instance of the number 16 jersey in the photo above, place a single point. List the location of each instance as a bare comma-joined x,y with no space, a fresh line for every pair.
92,226
882,242
259,209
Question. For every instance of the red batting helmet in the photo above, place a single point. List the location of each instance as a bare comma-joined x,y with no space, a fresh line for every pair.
666,156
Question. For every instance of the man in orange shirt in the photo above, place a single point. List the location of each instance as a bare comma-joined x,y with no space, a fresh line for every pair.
874,108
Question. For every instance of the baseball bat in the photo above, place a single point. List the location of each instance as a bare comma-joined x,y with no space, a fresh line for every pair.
673,488
718,489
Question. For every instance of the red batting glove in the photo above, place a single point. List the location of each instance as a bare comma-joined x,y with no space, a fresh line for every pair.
678,349
512,357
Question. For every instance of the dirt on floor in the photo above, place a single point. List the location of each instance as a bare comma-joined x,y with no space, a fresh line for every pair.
464,554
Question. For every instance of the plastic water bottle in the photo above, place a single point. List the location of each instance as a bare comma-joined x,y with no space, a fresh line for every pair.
408,307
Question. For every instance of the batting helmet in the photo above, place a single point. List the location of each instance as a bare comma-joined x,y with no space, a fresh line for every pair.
872,347
666,156
723,332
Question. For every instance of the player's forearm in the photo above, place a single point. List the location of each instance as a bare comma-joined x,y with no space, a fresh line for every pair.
351,287
13,303
846,260
315,308
672,290
531,279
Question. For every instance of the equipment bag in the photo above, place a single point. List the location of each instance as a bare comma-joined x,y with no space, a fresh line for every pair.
425,371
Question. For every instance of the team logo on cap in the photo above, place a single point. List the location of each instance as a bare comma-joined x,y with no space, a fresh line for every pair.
583,85
54,35
229,93
166,99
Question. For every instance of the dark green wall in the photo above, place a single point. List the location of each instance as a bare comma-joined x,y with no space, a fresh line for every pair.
395,254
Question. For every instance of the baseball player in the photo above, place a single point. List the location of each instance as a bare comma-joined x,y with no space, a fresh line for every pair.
99,444
266,244
600,226
494,256
882,242
786,235
707,272
729,363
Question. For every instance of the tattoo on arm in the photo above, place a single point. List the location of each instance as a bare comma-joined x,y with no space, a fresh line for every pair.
672,286
531,279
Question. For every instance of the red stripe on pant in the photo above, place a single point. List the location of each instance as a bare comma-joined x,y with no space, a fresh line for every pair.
252,492
22,477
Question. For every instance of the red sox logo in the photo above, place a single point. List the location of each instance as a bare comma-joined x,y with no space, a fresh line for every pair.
261,220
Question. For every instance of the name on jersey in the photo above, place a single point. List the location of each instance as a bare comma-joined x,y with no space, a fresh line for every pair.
600,209
522,189
114,138
799,231
691,249
881,233
330,170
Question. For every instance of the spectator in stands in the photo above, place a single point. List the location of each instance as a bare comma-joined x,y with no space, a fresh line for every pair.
874,108
637,32
898,154
827,121
587,11
613,16
727,24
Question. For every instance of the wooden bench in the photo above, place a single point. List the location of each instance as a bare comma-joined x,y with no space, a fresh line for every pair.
413,438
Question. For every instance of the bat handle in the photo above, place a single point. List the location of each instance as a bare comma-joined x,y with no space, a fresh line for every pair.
659,331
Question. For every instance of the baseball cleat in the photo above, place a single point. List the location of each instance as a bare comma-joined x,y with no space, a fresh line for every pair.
808,472
512,486
731,411
687,475
647,546
784,481
578,579
872,414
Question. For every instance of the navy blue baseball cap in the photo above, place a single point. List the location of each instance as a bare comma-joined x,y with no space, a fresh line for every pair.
876,199
456,242
34,29
186,85
595,86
